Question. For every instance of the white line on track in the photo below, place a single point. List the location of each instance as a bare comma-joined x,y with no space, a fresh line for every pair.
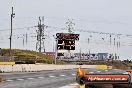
91,72
9,80
51,76
98,71
106,70
40,77
62,75
20,79
75,85
30,78
73,74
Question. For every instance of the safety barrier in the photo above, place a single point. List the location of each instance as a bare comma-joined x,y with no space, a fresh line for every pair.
41,67
7,63
101,66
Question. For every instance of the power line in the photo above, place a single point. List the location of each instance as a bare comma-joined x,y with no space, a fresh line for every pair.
90,31
27,28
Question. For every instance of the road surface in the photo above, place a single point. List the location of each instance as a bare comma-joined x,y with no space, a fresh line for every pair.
46,79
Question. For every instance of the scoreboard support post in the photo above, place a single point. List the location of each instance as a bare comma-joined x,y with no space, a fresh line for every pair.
56,51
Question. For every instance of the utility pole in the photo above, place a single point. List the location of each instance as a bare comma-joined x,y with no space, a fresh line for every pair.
43,27
110,39
89,55
40,34
26,38
12,16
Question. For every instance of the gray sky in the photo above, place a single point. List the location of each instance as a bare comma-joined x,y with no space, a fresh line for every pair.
112,16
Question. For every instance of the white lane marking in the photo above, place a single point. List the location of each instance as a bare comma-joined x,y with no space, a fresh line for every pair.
126,73
106,70
75,85
40,77
9,80
73,74
98,71
91,72
20,79
30,78
62,75
51,76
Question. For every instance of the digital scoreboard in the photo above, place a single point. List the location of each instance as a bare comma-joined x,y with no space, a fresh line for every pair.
66,41
67,36
66,45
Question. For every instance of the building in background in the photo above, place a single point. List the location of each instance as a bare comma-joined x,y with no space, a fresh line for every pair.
51,54
103,56
83,56
65,56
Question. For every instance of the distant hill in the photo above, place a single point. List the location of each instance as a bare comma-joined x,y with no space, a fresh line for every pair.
28,56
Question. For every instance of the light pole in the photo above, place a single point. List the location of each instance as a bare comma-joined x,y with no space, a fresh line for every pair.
12,16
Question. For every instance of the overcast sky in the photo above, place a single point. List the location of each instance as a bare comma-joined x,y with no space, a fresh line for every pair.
112,16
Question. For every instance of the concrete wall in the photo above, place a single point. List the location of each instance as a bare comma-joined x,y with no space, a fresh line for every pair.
41,67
